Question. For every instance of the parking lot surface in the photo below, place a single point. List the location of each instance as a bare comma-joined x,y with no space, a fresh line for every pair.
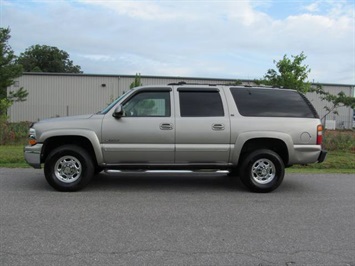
176,219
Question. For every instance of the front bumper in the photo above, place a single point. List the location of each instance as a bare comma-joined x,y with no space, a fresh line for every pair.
322,156
33,155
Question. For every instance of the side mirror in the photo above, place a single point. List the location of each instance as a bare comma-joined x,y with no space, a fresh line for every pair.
118,113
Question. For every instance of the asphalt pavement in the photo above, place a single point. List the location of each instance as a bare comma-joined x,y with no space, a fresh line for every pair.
176,219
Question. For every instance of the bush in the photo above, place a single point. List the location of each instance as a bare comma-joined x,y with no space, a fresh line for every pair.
339,140
13,133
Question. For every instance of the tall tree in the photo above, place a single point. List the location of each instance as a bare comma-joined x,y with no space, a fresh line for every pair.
137,81
293,74
290,73
43,58
9,70
336,101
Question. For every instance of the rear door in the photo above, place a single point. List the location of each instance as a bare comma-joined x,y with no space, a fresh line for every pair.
202,126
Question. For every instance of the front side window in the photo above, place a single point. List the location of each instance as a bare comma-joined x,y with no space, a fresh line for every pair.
148,104
200,104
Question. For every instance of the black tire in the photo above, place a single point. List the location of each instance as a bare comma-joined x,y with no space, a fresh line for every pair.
69,168
262,171
233,172
98,170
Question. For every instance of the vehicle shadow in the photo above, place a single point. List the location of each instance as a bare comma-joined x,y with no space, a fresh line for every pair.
165,182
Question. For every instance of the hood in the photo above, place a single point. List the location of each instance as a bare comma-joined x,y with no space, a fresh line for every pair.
69,122
68,125
65,118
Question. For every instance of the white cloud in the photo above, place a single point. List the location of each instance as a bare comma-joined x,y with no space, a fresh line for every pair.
144,10
244,13
97,57
314,7
234,39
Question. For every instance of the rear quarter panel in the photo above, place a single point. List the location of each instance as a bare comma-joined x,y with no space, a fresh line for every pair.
299,134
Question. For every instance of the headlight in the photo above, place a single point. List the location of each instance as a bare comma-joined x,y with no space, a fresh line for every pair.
32,140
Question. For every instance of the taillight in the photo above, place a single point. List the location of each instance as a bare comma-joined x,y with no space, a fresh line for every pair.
319,134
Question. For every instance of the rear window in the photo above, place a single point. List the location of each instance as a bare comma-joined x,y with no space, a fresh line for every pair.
272,102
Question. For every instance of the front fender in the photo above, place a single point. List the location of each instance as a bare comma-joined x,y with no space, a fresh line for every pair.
88,134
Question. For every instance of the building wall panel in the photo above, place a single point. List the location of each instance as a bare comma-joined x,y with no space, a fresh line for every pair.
344,117
54,95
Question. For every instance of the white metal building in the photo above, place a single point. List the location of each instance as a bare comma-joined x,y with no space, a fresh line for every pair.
54,95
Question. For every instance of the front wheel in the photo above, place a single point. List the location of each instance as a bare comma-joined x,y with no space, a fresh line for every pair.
69,168
262,171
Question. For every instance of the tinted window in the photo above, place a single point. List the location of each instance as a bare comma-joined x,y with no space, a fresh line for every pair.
200,103
275,103
148,104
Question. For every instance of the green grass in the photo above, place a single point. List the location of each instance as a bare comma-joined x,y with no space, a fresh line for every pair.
334,160
11,156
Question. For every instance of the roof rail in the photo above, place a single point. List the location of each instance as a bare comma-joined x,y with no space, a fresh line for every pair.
177,83
195,83
181,83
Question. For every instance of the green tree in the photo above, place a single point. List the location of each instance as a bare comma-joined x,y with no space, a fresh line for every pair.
43,58
336,101
9,70
291,73
137,81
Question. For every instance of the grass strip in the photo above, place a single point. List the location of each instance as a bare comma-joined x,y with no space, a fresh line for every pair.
11,156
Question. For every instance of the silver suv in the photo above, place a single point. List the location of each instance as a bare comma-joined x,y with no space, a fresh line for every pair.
254,132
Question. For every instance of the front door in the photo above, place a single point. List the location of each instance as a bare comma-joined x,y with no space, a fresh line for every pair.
145,134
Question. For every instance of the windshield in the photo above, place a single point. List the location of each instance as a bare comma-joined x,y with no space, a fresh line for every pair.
108,108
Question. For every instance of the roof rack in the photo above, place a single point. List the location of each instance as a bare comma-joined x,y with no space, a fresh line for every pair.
181,83
177,83
190,83
205,84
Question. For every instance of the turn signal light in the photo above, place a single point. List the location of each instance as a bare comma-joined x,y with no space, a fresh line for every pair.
319,134
32,140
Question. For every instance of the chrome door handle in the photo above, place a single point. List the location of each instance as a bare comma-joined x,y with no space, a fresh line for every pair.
166,126
218,127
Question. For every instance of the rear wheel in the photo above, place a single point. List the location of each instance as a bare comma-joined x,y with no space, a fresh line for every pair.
69,168
262,171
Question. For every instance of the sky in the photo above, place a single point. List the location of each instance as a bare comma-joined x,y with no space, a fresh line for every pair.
234,39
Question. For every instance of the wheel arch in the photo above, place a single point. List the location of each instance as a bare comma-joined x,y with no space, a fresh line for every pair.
84,142
247,144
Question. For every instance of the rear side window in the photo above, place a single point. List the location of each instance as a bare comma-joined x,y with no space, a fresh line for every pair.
200,103
274,103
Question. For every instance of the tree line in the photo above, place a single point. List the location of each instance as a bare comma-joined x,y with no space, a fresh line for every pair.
36,58
290,73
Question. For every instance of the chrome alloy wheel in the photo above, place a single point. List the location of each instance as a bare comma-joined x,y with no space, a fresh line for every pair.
263,171
68,169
